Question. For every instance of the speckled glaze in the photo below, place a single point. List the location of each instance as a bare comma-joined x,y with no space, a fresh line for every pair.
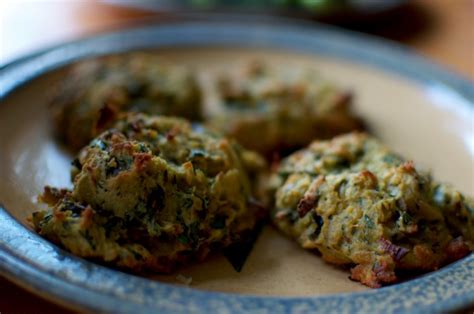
47,270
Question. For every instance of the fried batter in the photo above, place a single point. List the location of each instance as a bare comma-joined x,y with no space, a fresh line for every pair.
275,111
97,90
152,194
360,204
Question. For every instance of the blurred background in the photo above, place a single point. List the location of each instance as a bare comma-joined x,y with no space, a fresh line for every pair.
440,30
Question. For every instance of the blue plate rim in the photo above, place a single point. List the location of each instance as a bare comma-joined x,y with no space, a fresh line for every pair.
40,266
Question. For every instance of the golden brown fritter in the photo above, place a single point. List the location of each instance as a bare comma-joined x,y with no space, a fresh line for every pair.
95,91
360,204
151,194
273,111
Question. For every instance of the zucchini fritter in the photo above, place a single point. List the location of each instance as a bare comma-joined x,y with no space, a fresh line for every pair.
274,111
97,90
358,203
151,194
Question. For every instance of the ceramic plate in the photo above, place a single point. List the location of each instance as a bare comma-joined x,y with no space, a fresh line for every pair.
420,110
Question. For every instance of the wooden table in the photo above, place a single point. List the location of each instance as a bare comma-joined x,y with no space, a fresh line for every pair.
441,30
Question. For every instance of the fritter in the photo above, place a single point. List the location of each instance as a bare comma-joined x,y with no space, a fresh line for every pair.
95,91
358,203
275,111
152,194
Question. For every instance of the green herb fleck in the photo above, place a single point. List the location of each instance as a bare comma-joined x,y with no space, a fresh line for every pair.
439,197
406,218
89,239
135,254
391,159
368,221
218,222
187,202
99,143
183,239
195,153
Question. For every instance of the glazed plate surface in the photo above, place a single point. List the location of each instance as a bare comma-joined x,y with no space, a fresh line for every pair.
423,112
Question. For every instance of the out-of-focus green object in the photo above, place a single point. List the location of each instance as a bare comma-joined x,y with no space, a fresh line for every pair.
310,5
345,9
